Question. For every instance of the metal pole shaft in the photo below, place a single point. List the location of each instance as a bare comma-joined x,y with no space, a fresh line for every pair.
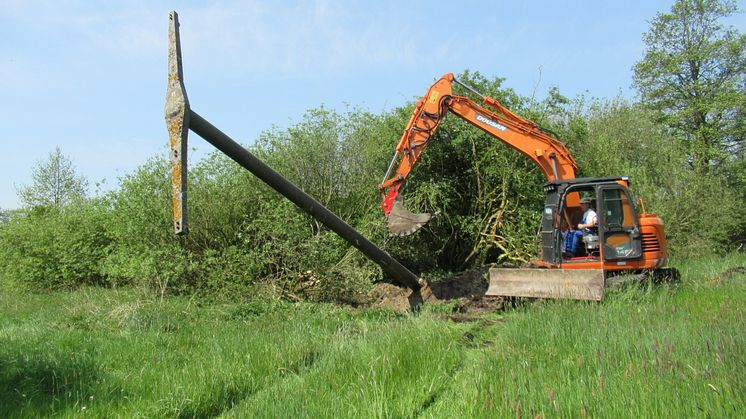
305,202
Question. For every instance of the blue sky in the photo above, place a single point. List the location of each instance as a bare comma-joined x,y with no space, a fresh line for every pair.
90,77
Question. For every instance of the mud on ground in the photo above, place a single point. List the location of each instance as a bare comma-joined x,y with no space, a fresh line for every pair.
466,290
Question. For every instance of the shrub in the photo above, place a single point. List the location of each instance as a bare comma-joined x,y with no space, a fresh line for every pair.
52,248
621,139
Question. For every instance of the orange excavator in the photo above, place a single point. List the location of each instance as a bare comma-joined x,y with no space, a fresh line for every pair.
574,263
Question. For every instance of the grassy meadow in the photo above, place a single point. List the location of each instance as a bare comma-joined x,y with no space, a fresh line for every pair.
106,313
652,351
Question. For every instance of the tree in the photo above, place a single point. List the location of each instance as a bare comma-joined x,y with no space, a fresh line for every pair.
621,138
692,77
54,183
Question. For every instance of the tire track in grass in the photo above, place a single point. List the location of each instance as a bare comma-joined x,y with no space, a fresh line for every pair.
471,344
368,374
244,350
233,397
437,393
302,366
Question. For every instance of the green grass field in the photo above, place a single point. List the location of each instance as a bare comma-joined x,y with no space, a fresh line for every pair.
655,351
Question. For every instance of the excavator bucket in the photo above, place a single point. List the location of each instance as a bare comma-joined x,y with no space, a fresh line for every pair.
402,222
574,284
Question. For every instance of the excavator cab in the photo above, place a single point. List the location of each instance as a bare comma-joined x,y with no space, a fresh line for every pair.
617,236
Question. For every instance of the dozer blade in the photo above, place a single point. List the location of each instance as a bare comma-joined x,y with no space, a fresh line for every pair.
576,284
402,222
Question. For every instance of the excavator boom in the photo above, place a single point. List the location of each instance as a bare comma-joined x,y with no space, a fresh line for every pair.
548,153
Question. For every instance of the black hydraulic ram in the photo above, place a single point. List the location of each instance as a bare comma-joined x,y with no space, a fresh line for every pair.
180,119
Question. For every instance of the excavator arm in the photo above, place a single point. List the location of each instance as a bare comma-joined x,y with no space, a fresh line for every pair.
548,153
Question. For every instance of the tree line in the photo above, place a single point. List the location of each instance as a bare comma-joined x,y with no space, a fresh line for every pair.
681,143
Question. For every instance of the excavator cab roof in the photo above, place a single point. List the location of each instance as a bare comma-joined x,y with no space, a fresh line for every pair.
562,184
576,181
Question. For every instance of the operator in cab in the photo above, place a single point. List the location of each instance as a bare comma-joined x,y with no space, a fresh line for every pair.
590,218
585,233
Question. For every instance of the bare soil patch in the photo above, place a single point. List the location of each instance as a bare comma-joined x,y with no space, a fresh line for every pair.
466,289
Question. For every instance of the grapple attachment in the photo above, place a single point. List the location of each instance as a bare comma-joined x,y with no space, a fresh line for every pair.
402,222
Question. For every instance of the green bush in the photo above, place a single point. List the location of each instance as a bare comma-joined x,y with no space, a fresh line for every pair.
246,239
145,251
51,248
488,195
699,211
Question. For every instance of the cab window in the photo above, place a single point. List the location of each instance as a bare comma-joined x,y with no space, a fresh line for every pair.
617,209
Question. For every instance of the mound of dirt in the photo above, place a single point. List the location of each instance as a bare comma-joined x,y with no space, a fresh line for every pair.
390,296
467,289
